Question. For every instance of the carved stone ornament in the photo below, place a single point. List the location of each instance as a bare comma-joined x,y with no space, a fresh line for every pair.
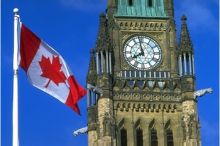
161,84
107,124
202,92
188,118
145,107
148,26
151,84
172,85
147,97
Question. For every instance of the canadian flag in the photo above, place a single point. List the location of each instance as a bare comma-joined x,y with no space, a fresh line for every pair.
47,70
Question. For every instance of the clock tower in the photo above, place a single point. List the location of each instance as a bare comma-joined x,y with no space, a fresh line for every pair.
140,81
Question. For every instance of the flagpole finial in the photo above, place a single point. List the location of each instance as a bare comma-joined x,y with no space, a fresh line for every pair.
16,10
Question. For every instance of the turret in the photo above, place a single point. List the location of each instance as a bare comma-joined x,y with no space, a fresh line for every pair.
103,48
91,76
91,80
186,53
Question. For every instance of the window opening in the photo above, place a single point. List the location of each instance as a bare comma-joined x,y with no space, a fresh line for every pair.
123,137
139,134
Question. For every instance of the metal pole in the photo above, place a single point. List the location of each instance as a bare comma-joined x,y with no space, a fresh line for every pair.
15,135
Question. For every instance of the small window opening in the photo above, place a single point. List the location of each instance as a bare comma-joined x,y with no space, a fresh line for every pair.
150,3
130,2
154,141
169,138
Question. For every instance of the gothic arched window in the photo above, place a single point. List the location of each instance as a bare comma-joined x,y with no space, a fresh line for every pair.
123,137
150,3
169,135
154,141
139,137
130,2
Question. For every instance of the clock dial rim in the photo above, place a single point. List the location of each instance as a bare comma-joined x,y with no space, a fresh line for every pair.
137,64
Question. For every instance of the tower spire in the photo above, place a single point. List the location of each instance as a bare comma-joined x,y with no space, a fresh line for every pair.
186,54
103,36
91,77
185,41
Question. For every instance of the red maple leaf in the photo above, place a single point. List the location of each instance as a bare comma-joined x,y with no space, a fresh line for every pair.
52,70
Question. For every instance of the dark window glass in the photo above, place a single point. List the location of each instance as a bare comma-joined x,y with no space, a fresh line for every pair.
138,74
127,74
147,74
139,134
132,74
150,3
157,74
123,137
183,68
162,74
131,83
142,74
130,2
169,138
154,141
140,83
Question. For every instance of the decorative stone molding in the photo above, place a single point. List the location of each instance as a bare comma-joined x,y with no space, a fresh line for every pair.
147,97
145,107
149,26
150,84
161,84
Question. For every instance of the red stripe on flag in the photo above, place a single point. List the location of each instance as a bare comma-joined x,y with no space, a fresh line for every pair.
29,45
75,94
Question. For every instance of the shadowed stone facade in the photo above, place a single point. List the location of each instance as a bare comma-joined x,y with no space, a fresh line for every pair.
142,106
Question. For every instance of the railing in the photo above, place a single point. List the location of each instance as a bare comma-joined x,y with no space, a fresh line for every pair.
144,74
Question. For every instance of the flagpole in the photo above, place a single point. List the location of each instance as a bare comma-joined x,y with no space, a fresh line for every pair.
15,139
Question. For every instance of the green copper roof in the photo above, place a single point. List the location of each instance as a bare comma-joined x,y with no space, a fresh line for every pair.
141,8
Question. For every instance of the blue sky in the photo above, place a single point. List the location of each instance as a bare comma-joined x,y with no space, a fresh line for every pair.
71,27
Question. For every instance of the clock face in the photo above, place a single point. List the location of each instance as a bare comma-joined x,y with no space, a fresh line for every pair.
142,52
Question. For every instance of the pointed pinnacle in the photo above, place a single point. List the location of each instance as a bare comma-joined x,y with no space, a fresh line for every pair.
183,18
185,41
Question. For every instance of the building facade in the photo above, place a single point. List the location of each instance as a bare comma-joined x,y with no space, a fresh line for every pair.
140,81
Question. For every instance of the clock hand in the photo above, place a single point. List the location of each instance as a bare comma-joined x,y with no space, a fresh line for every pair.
135,56
142,50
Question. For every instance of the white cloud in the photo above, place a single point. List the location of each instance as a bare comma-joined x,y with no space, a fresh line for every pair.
85,5
199,14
